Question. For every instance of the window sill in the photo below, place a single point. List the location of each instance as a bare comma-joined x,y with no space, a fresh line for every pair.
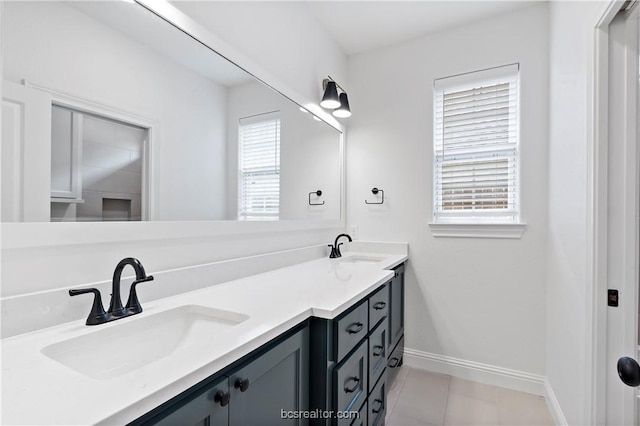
478,230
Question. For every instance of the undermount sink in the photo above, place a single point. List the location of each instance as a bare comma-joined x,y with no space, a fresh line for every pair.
121,348
362,259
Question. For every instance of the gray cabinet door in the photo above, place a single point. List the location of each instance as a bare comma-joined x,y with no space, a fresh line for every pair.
350,382
350,329
395,361
377,353
378,403
203,410
396,314
272,387
378,306
361,420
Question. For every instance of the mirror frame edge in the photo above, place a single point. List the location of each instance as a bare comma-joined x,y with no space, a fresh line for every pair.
47,234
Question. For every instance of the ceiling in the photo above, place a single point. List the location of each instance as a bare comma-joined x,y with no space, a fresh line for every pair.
146,28
358,26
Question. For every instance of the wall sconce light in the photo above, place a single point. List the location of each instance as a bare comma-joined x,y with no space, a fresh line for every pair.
331,100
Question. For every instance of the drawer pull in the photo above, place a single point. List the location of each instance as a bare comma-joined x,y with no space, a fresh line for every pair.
242,384
356,382
222,398
355,328
380,305
393,362
378,350
380,405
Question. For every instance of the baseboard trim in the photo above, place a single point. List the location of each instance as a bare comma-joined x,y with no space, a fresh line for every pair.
489,374
476,371
554,405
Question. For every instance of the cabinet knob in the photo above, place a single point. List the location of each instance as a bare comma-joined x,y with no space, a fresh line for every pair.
379,404
393,362
222,398
355,328
242,384
378,350
379,305
356,381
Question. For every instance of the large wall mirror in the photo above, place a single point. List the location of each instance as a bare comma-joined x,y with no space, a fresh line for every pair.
110,113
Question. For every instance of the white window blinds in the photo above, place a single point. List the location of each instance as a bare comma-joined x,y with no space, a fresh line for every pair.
476,147
259,167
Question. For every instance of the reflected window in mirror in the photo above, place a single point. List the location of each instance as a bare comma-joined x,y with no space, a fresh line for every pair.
259,167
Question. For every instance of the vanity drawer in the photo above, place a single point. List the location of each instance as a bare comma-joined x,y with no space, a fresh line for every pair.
361,420
377,353
395,361
350,381
350,329
378,403
378,306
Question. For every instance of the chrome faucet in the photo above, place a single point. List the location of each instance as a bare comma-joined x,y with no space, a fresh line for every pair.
116,310
335,248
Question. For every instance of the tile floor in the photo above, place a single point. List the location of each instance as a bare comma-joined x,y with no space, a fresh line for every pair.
422,398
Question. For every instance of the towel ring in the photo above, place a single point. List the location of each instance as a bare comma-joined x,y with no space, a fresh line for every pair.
375,191
318,193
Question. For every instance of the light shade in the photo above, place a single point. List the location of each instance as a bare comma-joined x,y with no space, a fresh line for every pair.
330,99
343,111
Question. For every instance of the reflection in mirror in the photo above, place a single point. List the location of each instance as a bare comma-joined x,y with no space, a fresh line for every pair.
96,167
111,113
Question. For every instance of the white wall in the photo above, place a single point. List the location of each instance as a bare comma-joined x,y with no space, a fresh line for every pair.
568,306
281,36
42,44
477,300
313,161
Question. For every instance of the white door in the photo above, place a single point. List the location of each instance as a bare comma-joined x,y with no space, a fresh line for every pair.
623,262
26,140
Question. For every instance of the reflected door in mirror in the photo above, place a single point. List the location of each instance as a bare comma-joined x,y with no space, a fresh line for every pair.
96,168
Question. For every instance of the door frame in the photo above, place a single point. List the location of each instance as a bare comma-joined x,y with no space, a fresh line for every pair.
600,370
26,135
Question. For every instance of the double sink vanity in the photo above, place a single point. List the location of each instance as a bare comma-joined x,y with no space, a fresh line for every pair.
310,343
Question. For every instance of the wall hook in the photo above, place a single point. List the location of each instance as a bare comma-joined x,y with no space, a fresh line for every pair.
318,193
375,191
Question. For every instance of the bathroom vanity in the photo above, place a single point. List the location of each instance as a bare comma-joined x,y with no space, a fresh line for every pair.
322,371
312,338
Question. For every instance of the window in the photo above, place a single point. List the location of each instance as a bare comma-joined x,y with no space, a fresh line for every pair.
476,147
259,167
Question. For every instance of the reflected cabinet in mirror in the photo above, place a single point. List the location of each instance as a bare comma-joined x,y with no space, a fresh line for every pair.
110,113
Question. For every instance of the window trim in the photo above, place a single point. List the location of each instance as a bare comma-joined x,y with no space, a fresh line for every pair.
489,226
273,116
478,230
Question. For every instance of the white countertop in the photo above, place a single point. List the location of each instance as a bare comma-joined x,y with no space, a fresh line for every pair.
39,390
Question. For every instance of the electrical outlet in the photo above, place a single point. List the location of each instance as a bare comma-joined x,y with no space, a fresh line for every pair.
354,232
